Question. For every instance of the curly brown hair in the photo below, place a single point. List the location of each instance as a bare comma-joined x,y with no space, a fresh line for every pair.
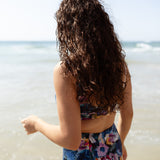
91,52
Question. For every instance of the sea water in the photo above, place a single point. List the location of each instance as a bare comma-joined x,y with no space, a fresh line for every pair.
26,85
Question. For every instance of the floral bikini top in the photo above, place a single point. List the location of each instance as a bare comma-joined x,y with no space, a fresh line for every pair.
89,111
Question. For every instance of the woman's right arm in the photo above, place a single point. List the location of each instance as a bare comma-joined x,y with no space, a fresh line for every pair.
126,113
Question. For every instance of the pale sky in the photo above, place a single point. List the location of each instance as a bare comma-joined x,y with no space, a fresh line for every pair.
134,20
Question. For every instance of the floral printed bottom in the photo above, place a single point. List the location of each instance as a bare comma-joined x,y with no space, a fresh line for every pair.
97,146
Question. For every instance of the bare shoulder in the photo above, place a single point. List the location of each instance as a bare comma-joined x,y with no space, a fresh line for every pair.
58,71
58,68
59,76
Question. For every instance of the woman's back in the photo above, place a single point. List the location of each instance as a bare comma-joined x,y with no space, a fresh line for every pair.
97,125
99,136
92,120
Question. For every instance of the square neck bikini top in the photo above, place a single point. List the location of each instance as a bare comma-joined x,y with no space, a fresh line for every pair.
88,111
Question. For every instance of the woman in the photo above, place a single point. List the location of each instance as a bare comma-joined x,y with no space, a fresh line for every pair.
92,82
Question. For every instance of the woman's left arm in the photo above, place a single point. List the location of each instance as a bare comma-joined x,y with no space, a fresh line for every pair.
68,133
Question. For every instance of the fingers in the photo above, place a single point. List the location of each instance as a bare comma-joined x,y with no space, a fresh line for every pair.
124,157
124,152
29,124
27,130
23,121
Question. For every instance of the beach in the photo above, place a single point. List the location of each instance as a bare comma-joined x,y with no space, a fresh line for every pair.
26,83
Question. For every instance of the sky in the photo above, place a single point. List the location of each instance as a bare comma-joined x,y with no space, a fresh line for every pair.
34,20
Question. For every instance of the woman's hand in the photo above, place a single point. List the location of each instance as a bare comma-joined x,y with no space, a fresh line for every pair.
124,152
29,124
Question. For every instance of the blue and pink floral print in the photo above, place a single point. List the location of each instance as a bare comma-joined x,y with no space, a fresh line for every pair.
97,146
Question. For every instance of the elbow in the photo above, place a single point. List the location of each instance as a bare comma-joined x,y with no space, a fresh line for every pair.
127,113
131,112
73,142
74,147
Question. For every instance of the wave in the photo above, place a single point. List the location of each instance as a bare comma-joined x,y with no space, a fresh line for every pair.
142,47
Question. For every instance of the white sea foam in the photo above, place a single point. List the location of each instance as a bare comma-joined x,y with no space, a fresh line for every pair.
143,48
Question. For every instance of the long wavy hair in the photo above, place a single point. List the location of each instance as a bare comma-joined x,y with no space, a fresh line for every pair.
91,52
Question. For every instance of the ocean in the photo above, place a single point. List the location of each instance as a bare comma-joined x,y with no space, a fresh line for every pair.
26,84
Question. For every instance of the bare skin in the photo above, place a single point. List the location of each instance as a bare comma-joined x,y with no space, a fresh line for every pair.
97,125
68,133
